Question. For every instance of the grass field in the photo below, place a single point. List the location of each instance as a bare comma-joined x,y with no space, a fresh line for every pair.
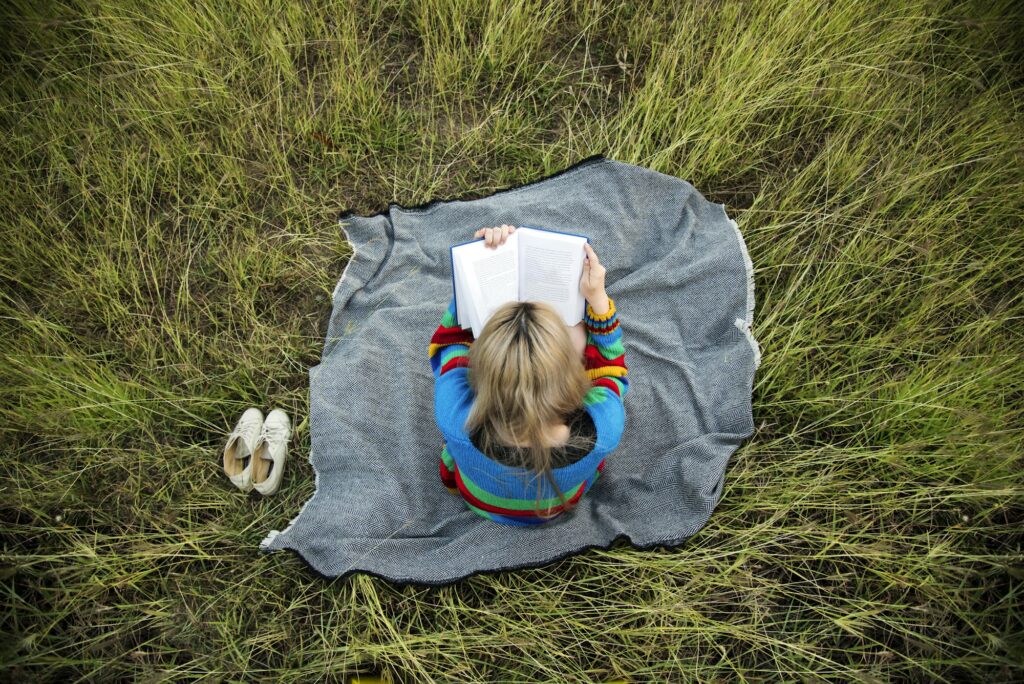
170,185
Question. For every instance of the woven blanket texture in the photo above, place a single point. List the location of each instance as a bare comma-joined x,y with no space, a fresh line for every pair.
679,272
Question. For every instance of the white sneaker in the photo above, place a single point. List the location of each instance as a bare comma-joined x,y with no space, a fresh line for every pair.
271,450
240,447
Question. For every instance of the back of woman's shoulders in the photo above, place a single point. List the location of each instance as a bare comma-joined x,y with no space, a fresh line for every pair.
583,438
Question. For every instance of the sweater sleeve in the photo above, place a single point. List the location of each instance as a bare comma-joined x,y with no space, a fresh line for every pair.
604,354
449,345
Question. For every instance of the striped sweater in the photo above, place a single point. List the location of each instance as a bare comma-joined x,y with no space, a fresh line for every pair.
501,492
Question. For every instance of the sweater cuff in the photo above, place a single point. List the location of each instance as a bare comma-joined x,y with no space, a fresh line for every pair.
604,318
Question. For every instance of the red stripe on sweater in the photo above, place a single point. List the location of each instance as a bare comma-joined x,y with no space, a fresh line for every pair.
447,476
600,466
468,495
594,358
606,382
452,335
455,362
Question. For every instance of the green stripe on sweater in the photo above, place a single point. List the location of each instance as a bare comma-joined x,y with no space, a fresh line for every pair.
450,352
596,395
513,504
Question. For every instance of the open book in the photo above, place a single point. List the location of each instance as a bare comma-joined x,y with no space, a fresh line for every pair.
534,264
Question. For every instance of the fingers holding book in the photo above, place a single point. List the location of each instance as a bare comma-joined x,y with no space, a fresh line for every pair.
495,237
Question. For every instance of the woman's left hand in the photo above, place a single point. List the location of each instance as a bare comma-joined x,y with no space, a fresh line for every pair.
495,237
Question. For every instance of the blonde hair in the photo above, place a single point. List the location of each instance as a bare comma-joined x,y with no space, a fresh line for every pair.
526,374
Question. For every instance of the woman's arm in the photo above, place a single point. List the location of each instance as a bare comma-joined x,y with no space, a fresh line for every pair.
604,356
449,348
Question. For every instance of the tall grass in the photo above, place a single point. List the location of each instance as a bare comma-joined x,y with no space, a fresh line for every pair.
171,179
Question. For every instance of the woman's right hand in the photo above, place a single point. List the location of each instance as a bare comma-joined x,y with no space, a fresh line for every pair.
592,282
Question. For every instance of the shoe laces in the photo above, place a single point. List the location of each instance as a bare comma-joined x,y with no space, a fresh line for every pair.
277,433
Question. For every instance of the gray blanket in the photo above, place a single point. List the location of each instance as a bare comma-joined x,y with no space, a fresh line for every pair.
682,281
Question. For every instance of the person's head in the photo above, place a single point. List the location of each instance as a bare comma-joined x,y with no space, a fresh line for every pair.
527,376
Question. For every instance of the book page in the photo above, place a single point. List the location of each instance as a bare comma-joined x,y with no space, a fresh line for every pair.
495,278
463,305
459,277
551,266
492,278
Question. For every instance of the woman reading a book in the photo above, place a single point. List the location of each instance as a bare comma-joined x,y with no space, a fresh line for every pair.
531,408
